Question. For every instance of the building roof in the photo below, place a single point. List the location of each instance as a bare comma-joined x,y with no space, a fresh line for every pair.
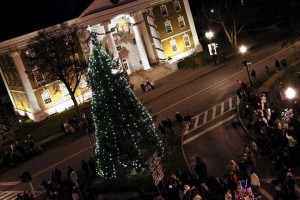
101,5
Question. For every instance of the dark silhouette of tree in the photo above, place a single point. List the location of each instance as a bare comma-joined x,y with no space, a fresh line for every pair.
59,56
229,14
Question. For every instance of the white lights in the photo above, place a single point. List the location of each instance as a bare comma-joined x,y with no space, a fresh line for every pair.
290,93
243,49
209,35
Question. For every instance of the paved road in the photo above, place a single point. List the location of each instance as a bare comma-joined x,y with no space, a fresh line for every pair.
194,97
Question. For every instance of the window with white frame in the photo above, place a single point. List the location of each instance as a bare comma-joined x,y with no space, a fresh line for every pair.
163,10
12,79
46,97
173,45
181,22
83,82
38,76
125,64
177,6
168,26
186,40
64,90
76,59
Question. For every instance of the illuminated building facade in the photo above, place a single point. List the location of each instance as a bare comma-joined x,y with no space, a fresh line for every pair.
140,33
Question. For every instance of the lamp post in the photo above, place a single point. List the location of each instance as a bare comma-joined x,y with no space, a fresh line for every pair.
243,50
290,93
209,35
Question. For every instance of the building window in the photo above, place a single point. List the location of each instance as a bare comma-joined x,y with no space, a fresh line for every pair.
186,40
64,90
46,96
76,59
83,82
181,22
125,64
168,26
134,41
177,6
118,48
38,76
173,45
12,79
163,10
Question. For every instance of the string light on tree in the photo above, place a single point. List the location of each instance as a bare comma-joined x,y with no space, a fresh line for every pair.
124,129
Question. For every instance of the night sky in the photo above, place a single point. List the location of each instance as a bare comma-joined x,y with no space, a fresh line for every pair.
19,18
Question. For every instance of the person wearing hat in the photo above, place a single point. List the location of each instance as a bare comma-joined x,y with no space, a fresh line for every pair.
289,184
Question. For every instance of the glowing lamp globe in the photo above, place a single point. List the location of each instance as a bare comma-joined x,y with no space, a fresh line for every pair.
290,93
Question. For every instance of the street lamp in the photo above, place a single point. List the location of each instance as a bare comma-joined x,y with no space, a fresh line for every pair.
290,93
243,50
209,35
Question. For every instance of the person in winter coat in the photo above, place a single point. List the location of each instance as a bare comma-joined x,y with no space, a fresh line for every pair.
179,119
255,183
233,166
292,142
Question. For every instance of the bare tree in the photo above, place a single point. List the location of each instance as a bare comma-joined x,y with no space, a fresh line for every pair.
59,56
229,14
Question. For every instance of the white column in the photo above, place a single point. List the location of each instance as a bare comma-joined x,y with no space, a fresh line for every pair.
139,43
111,42
155,37
7,88
33,103
187,7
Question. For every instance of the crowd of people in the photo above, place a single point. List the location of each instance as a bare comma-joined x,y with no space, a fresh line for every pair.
75,123
277,130
61,187
148,86
20,152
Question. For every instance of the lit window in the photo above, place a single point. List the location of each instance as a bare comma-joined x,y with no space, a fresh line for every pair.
173,45
64,90
168,26
125,64
186,40
46,96
181,22
76,58
177,6
38,76
163,10
83,82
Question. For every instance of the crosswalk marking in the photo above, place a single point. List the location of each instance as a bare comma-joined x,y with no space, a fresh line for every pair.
265,193
297,188
196,121
205,117
214,112
208,129
220,108
9,183
12,195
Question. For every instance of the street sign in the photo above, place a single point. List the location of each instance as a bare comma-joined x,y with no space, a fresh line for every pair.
155,168
212,48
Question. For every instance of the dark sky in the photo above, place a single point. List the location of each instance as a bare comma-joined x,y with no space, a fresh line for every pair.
21,17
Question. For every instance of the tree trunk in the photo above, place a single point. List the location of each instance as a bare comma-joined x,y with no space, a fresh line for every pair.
77,110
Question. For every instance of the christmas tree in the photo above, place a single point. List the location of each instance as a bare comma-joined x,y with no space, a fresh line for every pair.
124,129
